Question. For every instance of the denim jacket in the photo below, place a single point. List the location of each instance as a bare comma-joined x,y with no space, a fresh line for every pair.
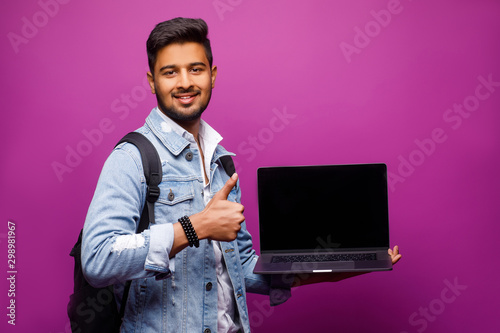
166,295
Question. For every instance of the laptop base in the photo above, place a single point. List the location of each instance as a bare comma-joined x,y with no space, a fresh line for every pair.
265,266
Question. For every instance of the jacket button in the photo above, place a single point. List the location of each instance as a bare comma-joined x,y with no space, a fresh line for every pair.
208,287
189,156
171,195
207,330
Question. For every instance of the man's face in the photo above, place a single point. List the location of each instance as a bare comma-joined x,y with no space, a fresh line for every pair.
182,81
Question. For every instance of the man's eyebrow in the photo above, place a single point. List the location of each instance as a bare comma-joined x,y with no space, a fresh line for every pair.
198,63
167,67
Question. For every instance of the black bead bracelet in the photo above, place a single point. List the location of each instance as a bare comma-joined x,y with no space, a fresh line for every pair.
189,231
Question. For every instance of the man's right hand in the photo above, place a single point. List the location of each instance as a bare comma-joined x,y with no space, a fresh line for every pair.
221,219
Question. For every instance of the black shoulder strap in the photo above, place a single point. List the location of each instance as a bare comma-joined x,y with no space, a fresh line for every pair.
151,164
228,164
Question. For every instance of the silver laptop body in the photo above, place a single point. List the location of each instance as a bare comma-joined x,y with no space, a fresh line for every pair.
323,218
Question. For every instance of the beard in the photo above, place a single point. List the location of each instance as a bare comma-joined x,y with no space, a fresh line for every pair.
178,114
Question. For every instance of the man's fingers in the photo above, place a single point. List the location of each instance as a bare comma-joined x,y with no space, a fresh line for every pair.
395,259
393,252
226,189
395,255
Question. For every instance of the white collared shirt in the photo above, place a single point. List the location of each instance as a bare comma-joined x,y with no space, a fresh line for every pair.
209,139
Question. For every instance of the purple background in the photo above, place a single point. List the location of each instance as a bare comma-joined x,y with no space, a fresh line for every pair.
357,86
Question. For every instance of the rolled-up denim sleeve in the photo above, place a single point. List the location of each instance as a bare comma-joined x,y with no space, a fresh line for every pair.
112,251
161,242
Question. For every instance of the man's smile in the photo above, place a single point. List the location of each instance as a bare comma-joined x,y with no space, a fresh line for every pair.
186,98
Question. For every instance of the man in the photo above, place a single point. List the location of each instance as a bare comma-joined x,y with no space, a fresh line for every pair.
177,287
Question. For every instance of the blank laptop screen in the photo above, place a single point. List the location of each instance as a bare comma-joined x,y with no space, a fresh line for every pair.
323,207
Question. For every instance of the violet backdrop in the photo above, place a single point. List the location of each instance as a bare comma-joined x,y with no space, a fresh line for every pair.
413,84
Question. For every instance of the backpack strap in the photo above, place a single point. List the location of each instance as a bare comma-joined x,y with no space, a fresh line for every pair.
228,164
151,164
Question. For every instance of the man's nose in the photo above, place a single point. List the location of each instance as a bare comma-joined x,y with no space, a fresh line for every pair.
184,80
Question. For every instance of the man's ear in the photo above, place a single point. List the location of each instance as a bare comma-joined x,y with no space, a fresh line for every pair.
151,81
214,75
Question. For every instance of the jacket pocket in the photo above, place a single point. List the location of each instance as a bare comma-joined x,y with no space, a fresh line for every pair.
175,201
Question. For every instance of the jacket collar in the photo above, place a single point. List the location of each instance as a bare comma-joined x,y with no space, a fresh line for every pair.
174,140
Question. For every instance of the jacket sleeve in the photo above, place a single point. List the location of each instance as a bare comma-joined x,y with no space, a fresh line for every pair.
278,287
112,252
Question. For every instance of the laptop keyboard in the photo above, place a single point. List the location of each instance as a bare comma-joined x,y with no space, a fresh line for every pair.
324,257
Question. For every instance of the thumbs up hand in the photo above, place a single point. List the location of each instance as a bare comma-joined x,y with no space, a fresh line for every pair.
226,189
221,219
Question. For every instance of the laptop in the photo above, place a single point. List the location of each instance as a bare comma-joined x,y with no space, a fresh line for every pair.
323,218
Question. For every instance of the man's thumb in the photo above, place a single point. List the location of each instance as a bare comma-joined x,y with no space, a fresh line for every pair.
226,189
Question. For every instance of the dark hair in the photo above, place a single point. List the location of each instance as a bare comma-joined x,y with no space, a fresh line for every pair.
177,30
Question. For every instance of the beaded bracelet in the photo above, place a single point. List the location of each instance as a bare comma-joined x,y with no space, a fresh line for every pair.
189,231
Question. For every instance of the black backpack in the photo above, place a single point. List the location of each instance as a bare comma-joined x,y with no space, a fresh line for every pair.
94,310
